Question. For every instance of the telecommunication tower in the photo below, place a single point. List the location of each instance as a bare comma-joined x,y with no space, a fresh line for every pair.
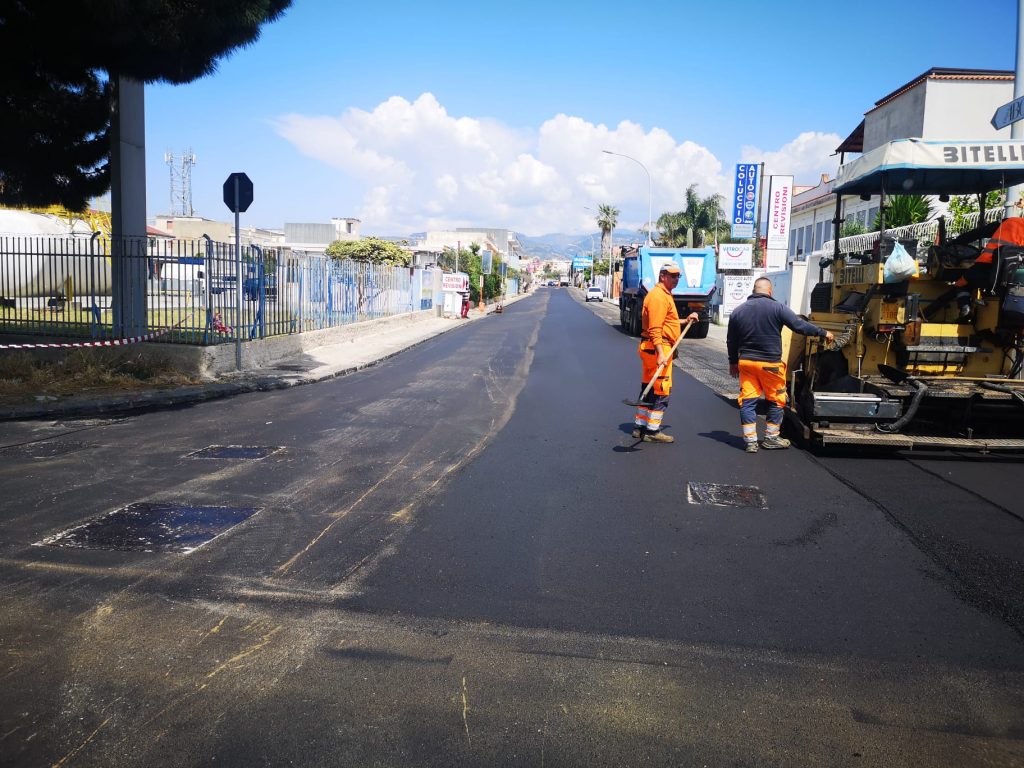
181,182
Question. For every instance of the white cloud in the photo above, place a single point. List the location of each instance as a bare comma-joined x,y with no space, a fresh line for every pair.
806,157
423,168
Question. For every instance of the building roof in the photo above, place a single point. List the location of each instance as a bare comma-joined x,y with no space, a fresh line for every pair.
942,73
854,142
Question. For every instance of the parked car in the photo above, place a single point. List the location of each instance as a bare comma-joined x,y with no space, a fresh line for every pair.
595,294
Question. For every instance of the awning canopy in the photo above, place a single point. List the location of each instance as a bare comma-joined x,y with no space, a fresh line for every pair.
917,167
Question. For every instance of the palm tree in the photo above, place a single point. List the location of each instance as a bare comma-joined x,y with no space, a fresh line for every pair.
692,225
904,209
672,229
607,218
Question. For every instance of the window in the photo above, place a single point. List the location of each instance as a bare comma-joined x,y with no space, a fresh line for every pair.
819,231
872,215
860,218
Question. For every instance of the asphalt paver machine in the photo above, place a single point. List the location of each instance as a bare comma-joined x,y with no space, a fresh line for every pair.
914,365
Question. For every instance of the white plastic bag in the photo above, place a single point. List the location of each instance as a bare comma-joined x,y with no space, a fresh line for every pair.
899,266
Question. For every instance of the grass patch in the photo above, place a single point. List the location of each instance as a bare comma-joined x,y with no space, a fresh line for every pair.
25,377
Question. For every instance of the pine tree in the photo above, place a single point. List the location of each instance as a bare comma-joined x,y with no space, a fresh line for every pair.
58,60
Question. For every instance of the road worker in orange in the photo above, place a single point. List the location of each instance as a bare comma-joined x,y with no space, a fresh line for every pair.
661,329
754,342
1010,232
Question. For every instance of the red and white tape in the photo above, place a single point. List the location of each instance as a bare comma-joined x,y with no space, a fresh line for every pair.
217,326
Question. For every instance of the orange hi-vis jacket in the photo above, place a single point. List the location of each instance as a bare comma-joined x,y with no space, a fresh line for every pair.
660,329
1009,232
659,318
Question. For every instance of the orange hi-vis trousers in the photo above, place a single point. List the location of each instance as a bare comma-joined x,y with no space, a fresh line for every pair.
649,415
760,379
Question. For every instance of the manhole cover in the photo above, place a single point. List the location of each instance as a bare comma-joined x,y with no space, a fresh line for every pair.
726,495
159,527
234,452
43,450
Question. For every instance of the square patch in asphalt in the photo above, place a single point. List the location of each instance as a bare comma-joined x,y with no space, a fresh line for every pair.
153,527
726,495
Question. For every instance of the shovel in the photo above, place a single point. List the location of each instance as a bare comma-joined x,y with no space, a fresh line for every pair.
657,373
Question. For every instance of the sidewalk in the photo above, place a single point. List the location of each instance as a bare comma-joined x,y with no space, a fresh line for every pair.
307,367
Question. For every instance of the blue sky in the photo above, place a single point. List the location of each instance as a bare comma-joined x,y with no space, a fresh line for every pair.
413,116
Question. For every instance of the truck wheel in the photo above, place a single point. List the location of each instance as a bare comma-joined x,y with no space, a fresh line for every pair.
622,317
634,323
699,330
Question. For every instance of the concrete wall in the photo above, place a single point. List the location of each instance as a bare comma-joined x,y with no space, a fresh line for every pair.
210,362
901,118
959,110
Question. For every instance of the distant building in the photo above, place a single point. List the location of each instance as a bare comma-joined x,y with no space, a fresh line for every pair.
194,227
500,241
316,237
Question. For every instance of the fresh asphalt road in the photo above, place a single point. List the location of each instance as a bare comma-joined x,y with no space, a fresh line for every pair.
461,558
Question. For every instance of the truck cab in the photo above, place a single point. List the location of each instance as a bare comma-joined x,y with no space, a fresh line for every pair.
696,287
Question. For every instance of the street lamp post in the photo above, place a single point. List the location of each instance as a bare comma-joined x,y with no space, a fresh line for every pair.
650,221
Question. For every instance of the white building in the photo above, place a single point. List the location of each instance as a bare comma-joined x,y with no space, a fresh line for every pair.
938,104
314,238
502,242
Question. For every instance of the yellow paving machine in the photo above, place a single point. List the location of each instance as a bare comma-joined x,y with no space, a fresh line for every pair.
929,331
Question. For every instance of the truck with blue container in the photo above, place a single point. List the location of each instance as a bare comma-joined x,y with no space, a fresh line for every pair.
640,267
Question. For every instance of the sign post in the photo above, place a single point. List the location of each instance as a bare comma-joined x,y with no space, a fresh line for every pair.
1009,113
780,194
238,198
744,200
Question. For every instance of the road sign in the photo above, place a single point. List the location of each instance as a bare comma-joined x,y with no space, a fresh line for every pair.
1008,113
238,192
744,199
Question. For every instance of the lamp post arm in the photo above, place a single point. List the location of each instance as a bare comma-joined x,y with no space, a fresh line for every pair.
650,196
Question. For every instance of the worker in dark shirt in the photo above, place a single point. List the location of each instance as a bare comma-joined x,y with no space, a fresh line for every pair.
755,356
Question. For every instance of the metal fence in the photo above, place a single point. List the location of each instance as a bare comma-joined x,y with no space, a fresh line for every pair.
925,230
190,291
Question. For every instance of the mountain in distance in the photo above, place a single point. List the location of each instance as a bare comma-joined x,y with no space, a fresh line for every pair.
563,246
552,246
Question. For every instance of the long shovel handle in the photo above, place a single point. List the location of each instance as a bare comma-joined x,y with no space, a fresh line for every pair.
657,373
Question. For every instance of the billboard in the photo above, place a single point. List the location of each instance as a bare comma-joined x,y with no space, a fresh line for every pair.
735,256
780,205
744,200
735,290
582,262
486,260
459,281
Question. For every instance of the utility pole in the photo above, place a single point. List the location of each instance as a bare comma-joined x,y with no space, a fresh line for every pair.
757,221
1013,194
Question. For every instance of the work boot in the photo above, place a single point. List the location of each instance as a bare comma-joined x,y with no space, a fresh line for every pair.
750,448
775,443
658,437
637,433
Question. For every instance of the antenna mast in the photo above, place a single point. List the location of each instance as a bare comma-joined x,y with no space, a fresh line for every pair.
181,182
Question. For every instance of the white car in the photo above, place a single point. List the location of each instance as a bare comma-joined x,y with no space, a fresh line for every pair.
595,294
